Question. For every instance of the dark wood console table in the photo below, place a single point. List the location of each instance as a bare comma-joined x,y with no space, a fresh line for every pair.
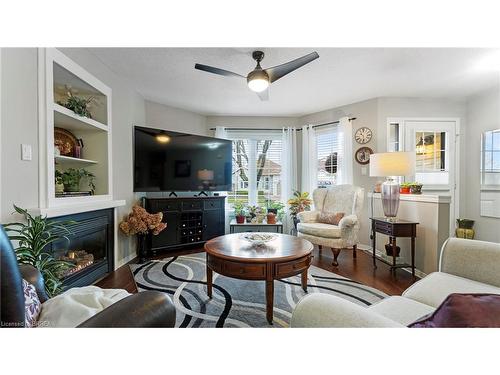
394,228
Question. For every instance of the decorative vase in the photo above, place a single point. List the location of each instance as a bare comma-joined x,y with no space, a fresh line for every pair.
271,218
240,219
465,229
260,218
141,247
248,218
59,188
273,210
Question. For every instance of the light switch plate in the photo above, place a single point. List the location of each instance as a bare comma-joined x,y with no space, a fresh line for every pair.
26,153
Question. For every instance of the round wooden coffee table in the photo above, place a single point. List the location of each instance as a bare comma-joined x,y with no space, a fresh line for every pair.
233,256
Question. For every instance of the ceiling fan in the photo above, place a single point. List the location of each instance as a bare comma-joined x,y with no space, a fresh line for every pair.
259,79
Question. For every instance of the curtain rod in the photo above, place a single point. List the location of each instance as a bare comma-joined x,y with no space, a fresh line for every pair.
299,129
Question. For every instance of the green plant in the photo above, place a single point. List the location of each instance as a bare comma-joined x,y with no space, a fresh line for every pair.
71,178
78,105
58,177
405,184
239,208
255,210
277,206
299,202
33,238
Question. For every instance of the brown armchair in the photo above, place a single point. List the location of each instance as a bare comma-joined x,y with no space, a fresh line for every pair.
144,309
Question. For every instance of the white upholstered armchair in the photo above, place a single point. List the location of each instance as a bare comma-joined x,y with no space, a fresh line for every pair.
346,199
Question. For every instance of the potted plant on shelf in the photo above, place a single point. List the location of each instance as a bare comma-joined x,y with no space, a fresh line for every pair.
416,188
72,177
239,211
298,203
78,105
260,215
140,222
404,188
278,208
33,238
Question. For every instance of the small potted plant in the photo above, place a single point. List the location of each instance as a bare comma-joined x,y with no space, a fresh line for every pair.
404,188
72,177
416,188
278,208
260,215
252,211
239,211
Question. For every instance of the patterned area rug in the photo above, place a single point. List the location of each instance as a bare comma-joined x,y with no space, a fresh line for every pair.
238,303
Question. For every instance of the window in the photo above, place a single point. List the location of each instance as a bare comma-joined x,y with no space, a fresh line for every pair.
327,148
257,168
490,158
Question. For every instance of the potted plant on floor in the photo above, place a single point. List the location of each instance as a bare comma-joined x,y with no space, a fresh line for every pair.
298,203
33,238
140,223
239,212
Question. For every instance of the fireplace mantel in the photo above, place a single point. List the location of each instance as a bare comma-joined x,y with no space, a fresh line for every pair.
76,208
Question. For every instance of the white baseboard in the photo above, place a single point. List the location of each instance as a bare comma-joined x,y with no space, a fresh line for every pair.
368,249
124,261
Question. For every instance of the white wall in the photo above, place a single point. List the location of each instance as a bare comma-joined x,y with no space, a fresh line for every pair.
19,125
251,122
483,114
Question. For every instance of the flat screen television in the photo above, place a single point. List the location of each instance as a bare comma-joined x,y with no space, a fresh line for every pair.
170,161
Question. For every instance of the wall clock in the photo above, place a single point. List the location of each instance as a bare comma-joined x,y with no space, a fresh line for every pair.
362,155
363,135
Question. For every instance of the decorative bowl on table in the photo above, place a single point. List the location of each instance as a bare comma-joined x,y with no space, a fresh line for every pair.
258,238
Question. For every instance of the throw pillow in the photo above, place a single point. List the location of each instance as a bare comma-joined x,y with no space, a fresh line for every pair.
330,217
32,305
464,311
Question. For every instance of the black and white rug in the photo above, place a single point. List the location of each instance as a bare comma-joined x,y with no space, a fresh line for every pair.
238,303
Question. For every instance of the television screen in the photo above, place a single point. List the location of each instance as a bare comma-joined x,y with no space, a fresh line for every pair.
171,161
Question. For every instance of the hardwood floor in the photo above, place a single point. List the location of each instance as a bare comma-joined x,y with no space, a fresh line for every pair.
359,269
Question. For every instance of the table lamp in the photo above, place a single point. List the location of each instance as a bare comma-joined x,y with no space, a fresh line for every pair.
389,165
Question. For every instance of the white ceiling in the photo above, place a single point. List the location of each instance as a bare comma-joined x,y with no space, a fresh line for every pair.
340,76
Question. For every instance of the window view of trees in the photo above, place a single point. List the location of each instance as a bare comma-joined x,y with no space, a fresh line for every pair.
256,165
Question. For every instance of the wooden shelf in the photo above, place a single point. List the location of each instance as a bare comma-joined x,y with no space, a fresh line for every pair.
67,119
70,160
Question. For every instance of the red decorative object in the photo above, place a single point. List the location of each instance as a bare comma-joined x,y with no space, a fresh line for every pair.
404,190
240,219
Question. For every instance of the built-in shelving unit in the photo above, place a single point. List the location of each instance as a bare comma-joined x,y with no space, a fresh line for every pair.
59,76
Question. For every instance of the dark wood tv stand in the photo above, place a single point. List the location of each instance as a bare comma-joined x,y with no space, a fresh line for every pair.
190,221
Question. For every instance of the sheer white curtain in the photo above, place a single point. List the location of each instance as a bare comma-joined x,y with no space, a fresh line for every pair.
289,173
309,160
345,154
221,132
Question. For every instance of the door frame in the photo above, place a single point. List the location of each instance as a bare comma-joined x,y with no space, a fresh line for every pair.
456,120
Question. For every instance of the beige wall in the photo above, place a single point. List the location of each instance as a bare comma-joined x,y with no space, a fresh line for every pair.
170,118
483,114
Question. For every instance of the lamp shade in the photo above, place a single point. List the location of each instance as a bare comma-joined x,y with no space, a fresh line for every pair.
386,164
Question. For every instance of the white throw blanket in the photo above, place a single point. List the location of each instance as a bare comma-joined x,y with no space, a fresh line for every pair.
76,305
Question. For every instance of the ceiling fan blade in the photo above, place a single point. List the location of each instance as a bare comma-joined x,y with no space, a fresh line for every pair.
276,72
213,70
263,95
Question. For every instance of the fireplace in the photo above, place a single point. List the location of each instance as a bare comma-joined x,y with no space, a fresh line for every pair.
88,249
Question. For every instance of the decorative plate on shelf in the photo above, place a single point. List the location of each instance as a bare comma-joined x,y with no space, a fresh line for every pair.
363,135
257,238
65,141
362,155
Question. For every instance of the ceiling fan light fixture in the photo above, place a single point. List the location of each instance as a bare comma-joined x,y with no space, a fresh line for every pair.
258,80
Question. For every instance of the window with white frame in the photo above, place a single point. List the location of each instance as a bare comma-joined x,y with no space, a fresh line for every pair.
257,167
327,148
